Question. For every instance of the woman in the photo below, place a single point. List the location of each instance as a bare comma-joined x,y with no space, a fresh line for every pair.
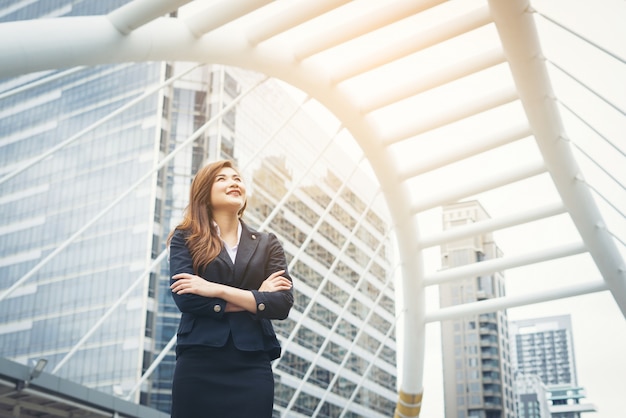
228,281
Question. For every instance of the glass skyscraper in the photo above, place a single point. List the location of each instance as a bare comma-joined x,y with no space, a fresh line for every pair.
110,152
70,279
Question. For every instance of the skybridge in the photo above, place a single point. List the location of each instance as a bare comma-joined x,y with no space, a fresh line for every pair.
447,101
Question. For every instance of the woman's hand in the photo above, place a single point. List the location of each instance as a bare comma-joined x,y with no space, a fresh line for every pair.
275,283
190,283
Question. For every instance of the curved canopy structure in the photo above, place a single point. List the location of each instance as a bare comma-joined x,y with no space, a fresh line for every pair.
438,94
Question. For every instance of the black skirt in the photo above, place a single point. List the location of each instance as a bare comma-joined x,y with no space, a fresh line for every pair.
223,383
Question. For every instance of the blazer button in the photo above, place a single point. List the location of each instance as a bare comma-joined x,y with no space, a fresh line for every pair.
261,307
217,308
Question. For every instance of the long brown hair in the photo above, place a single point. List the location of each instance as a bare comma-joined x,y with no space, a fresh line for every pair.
203,240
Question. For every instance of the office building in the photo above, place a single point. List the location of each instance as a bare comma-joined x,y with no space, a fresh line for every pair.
532,397
81,228
544,347
71,252
478,380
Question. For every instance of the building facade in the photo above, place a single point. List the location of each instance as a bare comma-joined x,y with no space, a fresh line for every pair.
478,379
83,231
73,254
544,347
532,397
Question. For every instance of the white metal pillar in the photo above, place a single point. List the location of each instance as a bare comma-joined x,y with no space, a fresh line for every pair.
518,34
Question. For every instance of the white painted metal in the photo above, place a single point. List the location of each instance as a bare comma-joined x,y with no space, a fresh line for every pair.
139,12
362,24
481,185
519,37
503,263
297,13
220,13
492,224
507,302
409,44
454,114
214,34
425,82
474,146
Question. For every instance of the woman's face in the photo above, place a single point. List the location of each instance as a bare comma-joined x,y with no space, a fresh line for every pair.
228,193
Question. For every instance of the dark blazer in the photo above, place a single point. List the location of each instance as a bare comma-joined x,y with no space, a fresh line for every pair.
204,320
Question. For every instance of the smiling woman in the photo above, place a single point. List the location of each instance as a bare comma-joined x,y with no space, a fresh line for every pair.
228,281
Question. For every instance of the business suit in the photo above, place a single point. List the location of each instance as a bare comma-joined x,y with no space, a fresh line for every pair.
207,331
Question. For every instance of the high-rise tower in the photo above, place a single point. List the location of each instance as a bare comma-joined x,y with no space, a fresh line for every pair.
475,349
544,347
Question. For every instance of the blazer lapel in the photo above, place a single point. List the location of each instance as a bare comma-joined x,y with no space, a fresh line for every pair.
223,255
247,245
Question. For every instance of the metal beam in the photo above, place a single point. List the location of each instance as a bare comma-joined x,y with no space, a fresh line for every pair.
518,34
297,13
374,19
44,44
503,263
139,12
219,14
412,43
423,82
449,115
497,304
492,224
479,186
472,147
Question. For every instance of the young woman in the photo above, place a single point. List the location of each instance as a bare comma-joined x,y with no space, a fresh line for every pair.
228,281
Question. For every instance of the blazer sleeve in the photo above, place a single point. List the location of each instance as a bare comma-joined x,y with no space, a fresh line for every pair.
181,262
274,305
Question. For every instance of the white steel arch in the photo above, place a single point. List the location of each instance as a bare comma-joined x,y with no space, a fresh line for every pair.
338,52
